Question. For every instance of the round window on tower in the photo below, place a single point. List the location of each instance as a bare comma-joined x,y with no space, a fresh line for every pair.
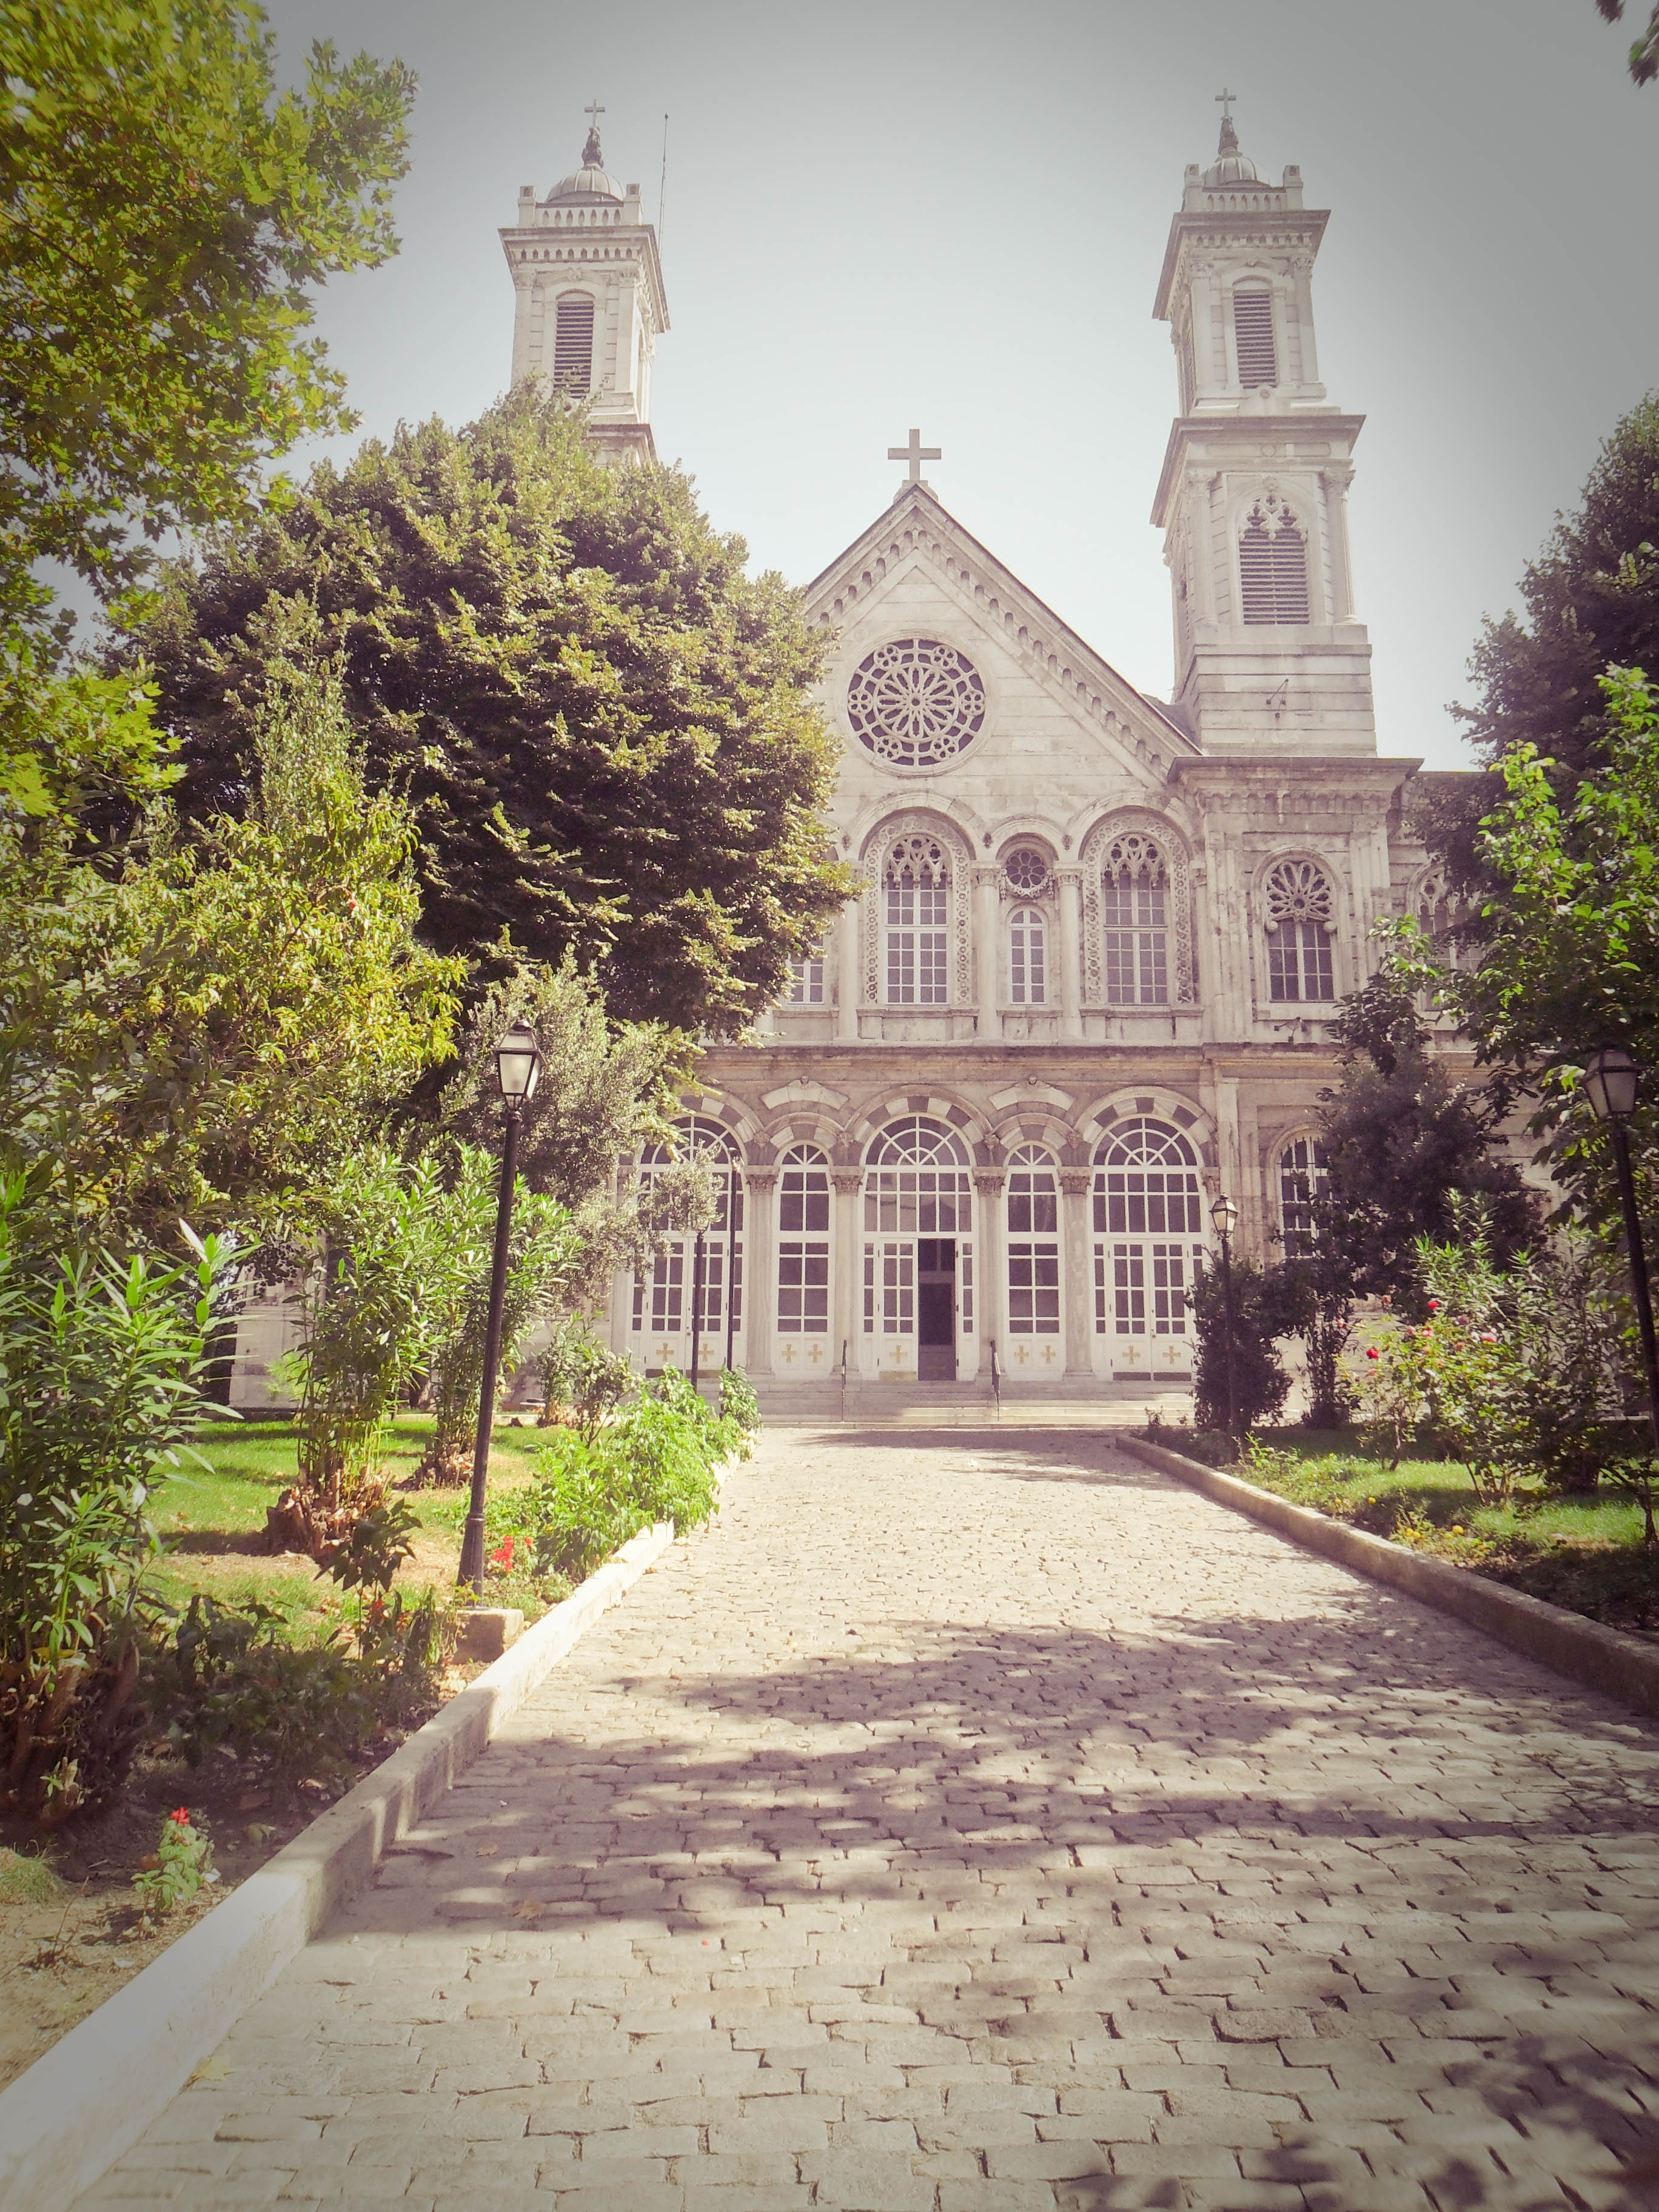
915,703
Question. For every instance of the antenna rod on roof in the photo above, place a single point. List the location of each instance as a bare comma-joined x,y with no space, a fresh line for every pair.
662,188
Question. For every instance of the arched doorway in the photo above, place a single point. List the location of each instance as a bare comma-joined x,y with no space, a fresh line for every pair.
918,1260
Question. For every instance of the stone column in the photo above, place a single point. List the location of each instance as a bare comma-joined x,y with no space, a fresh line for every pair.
760,1288
1075,1246
991,1289
1069,882
1335,483
849,982
847,1261
987,929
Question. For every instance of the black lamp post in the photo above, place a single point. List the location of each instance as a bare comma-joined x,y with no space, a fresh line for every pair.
1610,1081
1225,1215
518,1067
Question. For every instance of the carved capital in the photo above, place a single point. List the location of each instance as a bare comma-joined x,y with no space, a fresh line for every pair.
847,1179
1075,1182
761,1180
989,1182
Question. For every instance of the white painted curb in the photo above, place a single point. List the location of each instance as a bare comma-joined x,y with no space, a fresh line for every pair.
65,2122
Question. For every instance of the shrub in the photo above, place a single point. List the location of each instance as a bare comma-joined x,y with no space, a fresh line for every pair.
1250,1380
655,1462
176,1869
739,1406
582,1376
101,1370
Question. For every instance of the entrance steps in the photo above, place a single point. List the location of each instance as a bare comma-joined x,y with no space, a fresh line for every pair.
1081,1401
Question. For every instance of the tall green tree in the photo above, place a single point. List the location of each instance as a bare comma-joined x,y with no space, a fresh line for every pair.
1590,598
197,1026
163,211
1571,957
605,725
1405,1145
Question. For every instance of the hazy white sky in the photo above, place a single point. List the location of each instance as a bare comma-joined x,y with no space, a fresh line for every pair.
954,216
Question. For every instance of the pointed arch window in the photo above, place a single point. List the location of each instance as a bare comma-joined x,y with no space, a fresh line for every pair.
1273,565
804,1242
572,342
1253,335
1301,927
1033,1243
916,896
1304,1179
1135,893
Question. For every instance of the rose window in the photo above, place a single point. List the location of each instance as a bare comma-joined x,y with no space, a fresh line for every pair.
914,702
1027,871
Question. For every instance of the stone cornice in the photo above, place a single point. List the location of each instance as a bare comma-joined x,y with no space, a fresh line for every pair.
588,253
1281,227
1257,430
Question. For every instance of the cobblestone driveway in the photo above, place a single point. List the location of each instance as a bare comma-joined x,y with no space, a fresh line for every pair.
974,1823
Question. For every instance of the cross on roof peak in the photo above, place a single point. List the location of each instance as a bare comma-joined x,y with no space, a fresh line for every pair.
591,158
915,453
1226,100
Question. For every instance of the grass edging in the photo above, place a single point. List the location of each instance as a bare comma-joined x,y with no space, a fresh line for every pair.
1603,1658
65,2120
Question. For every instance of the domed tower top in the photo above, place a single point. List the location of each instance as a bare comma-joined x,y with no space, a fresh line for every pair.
590,302
1230,166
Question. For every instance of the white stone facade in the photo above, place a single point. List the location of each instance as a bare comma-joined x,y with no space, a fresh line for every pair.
1088,983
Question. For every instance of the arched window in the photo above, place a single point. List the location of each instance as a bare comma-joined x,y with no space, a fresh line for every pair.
1148,1228
1301,924
804,1242
1303,1180
1028,972
1134,910
1033,1243
1273,565
572,344
662,1299
916,892
1253,335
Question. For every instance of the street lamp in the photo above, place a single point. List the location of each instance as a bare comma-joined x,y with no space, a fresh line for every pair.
518,1068
1224,1214
1610,1080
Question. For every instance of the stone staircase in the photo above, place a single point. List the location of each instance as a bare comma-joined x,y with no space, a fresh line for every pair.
1081,1402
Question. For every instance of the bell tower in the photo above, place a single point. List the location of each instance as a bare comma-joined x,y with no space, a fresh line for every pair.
1269,656
591,305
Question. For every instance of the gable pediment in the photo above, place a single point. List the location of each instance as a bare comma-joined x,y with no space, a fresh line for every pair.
917,550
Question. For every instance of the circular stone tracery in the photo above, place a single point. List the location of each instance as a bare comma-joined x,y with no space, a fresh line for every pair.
915,701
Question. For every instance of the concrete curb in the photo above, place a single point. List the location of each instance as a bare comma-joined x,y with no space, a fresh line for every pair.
66,2120
1605,1659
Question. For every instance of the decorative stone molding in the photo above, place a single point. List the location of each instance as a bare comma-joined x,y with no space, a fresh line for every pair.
761,1180
989,1182
1298,890
1133,837
1077,1183
847,1179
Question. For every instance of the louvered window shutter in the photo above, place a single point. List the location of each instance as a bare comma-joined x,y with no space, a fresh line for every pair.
573,345
1273,573
1253,330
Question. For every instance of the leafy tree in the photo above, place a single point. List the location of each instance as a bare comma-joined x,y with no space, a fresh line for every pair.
1572,958
603,725
1643,60
197,1028
165,209
1404,1142
1237,1371
1591,599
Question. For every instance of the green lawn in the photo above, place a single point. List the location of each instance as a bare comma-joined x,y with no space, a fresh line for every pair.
1584,1553
212,1517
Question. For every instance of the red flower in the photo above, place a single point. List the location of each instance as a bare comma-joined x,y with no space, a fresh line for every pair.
1434,1305
503,1557
1373,1353
182,1816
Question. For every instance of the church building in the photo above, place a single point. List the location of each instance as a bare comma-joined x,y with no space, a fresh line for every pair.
1086,986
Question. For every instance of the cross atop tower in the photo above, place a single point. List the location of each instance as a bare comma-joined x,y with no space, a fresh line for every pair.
1226,100
591,155
915,453
1229,136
